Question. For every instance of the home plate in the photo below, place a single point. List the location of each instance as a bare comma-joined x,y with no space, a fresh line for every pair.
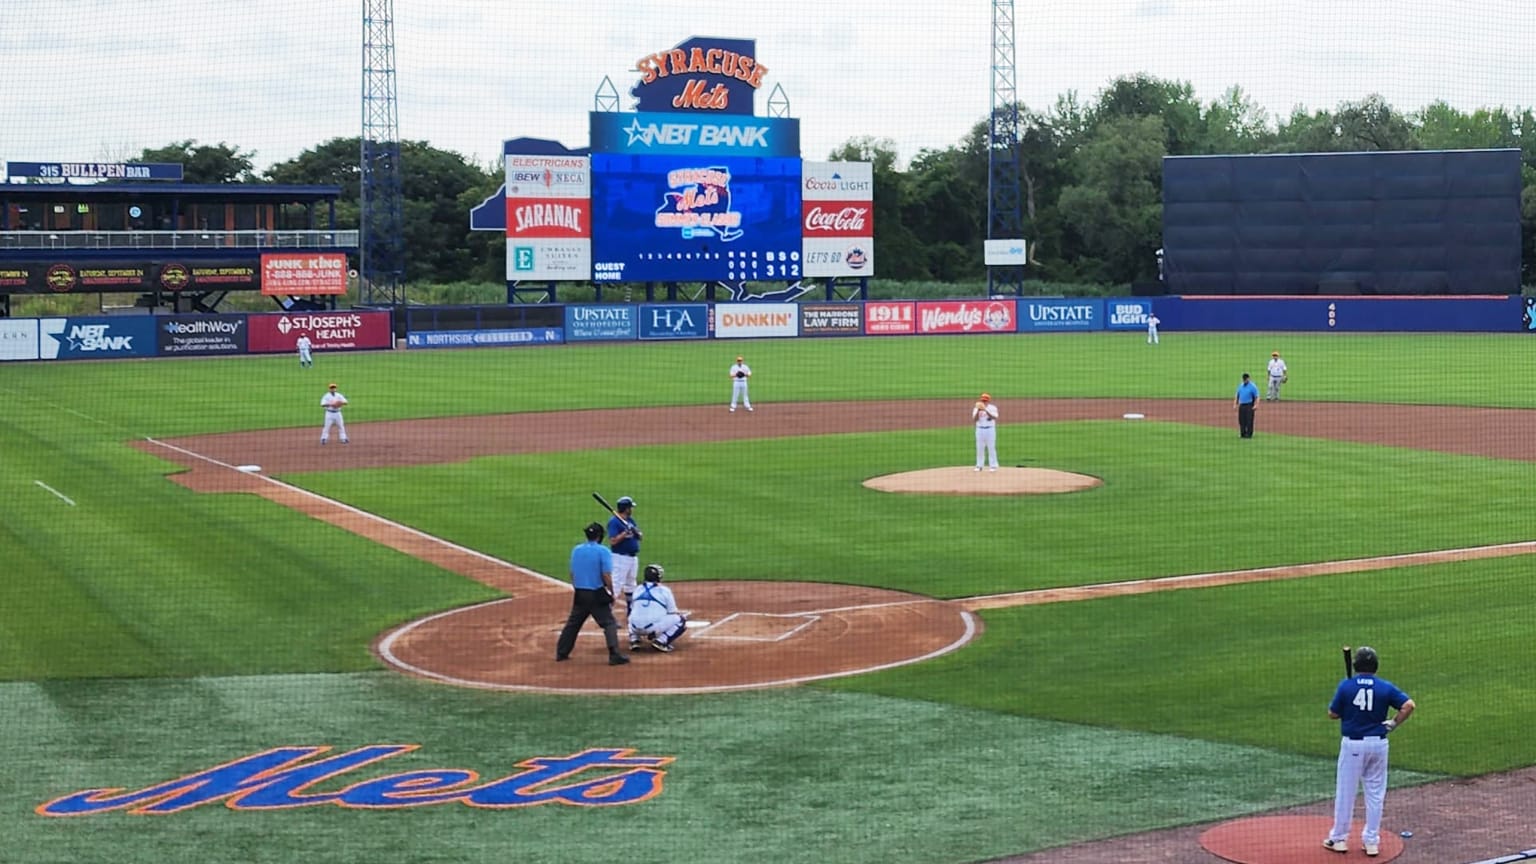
249,469
1135,416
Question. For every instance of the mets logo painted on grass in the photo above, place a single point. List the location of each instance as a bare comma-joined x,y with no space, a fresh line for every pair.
283,778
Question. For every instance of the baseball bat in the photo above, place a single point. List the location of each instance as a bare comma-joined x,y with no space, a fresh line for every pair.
1349,663
609,507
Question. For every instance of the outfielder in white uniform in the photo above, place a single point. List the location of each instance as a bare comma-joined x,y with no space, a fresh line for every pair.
984,415
653,616
740,372
1277,376
333,402
1152,322
305,346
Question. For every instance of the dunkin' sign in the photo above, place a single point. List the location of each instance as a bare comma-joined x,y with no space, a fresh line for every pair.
837,218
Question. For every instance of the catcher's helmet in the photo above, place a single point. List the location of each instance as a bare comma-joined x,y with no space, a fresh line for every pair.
1365,659
593,531
654,572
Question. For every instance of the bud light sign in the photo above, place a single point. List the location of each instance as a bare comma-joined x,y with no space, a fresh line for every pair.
1126,314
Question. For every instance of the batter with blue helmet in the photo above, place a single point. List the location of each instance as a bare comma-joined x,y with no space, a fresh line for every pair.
1360,704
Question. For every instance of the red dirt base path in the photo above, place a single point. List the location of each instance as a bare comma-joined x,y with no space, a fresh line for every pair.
758,634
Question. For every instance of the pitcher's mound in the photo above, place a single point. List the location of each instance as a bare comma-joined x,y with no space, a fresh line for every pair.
968,481
1289,840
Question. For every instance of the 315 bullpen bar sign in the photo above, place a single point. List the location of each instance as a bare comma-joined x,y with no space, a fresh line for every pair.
95,170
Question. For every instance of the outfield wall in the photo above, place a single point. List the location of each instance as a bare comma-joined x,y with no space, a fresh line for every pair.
142,336
115,337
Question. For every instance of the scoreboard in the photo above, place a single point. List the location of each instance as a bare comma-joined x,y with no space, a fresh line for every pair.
697,217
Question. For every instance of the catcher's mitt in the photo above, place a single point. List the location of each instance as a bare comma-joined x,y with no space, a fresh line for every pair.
741,374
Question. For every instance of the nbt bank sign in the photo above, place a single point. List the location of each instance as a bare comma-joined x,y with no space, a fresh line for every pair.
683,134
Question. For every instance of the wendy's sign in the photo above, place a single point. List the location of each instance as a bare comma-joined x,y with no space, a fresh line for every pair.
702,73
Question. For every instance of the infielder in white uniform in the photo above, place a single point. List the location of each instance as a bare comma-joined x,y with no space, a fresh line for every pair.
1277,376
333,402
653,616
984,415
305,346
1152,322
740,372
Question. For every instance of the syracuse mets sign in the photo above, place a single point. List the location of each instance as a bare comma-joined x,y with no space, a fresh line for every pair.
287,777
700,74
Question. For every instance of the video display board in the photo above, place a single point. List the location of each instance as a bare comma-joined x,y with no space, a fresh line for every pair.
695,218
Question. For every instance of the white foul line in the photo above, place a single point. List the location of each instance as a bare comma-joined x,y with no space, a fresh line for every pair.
65,498
365,514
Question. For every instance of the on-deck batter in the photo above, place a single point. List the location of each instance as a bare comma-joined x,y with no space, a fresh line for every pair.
1360,705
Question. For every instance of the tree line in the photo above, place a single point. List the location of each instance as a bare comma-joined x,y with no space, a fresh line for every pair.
1090,170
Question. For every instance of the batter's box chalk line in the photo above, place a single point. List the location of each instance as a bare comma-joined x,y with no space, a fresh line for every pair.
714,632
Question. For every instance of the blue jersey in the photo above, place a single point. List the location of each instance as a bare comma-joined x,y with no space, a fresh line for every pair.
589,561
627,546
1247,393
1362,702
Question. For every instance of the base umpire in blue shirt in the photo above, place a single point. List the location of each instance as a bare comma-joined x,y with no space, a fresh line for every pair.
592,577
1246,400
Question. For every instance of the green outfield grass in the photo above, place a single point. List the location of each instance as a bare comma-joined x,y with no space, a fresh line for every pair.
147,631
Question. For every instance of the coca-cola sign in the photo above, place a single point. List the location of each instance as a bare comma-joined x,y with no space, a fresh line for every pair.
837,219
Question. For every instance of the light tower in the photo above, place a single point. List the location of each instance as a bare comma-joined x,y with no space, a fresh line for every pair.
382,268
1004,218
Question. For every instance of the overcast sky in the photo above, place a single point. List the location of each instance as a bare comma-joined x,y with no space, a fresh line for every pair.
89,80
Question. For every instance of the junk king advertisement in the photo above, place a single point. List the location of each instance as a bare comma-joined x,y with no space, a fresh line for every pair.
303,273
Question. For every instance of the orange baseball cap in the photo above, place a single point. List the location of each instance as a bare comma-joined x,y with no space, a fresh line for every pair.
1274,353
738,358
331,386
986,398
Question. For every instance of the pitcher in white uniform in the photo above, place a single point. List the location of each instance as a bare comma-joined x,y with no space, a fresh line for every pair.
740,372
984,415
305,347
653,616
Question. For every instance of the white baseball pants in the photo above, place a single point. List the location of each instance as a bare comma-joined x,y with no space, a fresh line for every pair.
986,445
739,394
1361,764
333,418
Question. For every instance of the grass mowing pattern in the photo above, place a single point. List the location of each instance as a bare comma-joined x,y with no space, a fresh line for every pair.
145,579
875,779
794,509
